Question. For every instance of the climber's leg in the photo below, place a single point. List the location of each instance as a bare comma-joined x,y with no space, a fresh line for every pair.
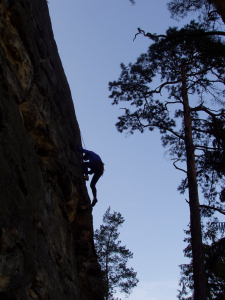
85,168
93,183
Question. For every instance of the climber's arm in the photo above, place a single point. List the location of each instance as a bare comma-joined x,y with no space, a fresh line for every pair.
82,150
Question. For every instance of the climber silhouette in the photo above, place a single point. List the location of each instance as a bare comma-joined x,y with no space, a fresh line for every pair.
96,167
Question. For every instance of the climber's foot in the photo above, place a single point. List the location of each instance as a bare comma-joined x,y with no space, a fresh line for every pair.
94,202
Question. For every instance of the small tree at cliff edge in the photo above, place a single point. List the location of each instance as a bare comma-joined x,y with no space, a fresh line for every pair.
113,257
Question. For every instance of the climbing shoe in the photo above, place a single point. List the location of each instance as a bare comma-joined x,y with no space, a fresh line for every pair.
86,177
94,202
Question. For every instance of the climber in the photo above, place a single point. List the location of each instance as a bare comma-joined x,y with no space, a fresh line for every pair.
96,167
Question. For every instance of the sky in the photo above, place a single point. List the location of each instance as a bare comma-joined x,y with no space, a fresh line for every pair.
140,181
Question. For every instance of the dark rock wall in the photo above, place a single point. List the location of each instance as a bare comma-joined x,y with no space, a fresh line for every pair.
46,232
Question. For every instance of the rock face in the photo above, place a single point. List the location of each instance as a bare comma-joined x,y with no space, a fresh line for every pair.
46,232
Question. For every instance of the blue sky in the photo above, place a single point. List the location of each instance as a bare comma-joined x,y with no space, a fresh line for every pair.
140,182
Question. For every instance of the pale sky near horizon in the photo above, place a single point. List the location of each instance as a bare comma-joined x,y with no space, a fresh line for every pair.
140,182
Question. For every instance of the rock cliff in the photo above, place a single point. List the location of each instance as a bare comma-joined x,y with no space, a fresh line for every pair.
46,232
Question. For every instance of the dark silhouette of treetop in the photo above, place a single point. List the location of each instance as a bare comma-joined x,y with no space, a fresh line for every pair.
113,257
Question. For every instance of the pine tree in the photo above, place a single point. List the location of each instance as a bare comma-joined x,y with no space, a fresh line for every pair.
214,250
210,11
113,257
191,66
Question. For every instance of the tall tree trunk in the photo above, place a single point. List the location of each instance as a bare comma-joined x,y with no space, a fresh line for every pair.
107,276
220,7
195,219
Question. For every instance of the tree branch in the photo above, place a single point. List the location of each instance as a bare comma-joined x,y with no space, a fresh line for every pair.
159,127
174,163
159,88
151,36
172,102
201,147
207,110
200,130
210,207
154,36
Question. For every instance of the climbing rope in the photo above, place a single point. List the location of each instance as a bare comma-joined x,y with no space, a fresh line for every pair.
83,141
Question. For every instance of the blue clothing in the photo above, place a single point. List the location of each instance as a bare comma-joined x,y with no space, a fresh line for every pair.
95,165
97,168
91,156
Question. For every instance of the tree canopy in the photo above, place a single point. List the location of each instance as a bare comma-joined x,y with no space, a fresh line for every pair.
214,249
204,64
209,11
113,257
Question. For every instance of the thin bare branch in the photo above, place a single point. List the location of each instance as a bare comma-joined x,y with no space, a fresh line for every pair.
151,36
194,34
172,102
174,163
